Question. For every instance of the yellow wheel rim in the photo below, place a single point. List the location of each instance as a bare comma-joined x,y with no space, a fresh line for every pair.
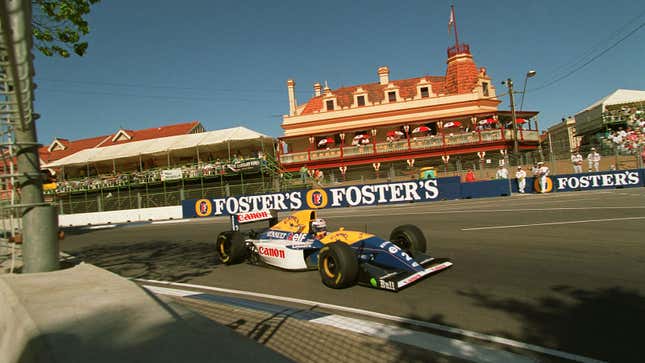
222,250
326,268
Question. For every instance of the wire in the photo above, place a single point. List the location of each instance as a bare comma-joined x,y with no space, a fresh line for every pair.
589,61
598,45
183,98
138,85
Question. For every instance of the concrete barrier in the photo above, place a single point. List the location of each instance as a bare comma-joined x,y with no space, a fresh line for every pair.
86,314
120,216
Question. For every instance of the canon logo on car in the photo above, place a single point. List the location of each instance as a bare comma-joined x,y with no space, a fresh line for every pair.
253,216
271,252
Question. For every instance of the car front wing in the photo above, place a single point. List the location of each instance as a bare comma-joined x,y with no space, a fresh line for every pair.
380,278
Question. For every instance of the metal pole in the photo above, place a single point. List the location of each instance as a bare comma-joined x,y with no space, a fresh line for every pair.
509,83
39,222
551,155
537,128
523,92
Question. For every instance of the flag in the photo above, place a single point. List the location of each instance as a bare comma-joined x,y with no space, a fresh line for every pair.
451,22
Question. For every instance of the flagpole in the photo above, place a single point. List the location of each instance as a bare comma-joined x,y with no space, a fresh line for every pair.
454,25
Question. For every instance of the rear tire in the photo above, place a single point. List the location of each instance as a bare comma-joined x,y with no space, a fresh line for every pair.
231,248
410,238
337,265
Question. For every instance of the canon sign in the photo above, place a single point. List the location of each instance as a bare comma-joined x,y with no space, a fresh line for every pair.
604,180
253,216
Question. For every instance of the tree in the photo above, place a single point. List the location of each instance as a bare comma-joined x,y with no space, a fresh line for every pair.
58,26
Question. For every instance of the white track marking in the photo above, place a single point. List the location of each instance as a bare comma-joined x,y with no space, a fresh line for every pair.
424,324
439,344
552,223
436,343
171,221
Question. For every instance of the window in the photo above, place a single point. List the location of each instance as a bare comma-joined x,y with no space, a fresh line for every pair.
485,88
330,105
424,92
391,96
360,100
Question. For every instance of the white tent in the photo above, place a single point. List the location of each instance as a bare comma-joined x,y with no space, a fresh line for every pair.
164,145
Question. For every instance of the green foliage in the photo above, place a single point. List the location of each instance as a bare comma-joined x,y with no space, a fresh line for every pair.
58,26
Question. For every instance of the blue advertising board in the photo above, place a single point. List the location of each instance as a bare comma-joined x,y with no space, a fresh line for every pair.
587,181
485,189
404,192
333,197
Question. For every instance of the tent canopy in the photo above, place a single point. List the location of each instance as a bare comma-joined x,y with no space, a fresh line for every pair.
158,146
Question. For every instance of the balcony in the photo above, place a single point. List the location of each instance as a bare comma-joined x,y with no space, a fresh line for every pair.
417,144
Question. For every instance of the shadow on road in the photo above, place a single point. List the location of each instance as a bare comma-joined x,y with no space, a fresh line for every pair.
603,323
154,260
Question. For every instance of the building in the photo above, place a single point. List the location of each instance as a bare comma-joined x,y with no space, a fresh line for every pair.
563,139
398,122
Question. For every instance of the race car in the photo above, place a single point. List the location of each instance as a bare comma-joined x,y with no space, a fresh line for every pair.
343,258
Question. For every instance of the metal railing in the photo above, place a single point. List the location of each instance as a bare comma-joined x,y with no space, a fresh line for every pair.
430,142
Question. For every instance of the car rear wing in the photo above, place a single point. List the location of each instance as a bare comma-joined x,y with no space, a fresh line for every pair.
252,217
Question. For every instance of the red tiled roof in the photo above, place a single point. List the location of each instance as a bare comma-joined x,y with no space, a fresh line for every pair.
461,77
71,148
375,92
106,140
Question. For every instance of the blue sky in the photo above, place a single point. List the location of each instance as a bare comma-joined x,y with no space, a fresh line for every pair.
225,63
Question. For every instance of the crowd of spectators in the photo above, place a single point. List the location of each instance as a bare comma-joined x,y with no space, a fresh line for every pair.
123,179
630,138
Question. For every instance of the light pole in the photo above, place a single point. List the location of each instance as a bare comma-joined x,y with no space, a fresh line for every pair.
529,74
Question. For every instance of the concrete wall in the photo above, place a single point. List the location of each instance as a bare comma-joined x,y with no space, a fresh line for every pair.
120,216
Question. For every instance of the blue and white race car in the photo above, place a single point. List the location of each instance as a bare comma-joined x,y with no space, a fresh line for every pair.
343,258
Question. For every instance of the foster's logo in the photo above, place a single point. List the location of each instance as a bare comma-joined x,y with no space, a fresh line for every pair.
317,198
203,207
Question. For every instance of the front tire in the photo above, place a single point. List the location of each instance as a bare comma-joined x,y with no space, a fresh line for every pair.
337,265
231,248
409,238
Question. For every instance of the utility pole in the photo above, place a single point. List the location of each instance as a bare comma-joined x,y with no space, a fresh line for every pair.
509,84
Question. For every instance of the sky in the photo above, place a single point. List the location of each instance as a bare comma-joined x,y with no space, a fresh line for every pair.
225,63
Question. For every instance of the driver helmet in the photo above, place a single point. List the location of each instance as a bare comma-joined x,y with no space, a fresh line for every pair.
318,226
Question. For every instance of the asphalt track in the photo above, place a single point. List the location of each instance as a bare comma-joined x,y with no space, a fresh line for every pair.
563,271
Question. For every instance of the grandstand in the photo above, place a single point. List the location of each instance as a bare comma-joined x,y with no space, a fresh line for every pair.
162,171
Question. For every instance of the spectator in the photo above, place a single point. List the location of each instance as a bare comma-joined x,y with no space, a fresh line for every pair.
542,173
576,160
521,179
303,174
502,172
470,176
319,176
594,159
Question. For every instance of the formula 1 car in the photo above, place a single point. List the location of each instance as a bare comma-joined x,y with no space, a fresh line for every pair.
343,258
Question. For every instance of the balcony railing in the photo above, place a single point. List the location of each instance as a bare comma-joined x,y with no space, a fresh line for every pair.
416,144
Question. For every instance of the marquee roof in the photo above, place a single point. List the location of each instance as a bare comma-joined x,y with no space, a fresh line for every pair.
69,147
158,146
619,97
